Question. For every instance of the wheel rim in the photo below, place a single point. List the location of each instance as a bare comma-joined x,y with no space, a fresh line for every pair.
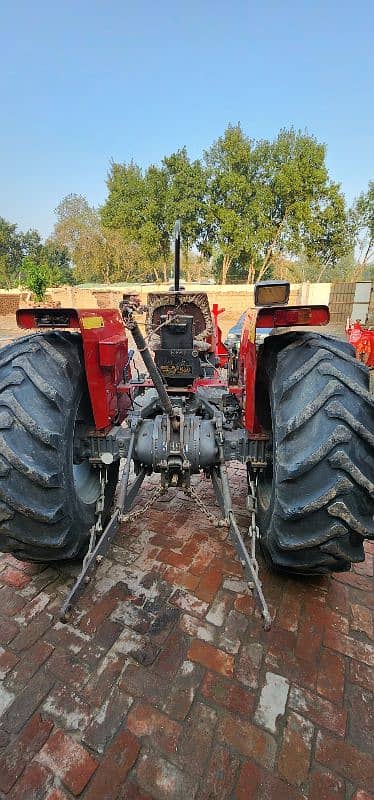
86,482
85,477
265,488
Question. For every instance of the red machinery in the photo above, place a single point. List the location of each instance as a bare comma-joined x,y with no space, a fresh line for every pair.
362,340
296,411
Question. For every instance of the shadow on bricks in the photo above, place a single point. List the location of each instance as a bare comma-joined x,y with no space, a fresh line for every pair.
164,685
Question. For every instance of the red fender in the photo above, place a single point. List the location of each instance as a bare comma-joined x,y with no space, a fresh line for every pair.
275,317
105,350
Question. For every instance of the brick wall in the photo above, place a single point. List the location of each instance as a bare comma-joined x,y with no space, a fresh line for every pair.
9,303
341,302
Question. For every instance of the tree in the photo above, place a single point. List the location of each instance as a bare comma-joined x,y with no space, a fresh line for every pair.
32,245
299,204
362,220
186,201
230,194
273,200
124,208
238,268
154,234
327,238
135,211
75,219
78,231
126,260
36,277
11,252
59,264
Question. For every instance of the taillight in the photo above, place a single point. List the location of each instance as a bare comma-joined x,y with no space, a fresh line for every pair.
288,317
47,318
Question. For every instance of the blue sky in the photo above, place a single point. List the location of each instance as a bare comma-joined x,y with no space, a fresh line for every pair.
83,82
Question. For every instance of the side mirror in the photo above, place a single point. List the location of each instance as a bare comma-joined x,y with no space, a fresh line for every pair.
272,293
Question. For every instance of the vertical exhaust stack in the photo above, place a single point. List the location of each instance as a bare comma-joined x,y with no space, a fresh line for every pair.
177,255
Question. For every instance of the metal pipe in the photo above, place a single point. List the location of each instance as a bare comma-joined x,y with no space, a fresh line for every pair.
177,255
222,488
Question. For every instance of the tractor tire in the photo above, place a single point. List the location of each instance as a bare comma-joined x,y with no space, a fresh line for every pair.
316,500
47,495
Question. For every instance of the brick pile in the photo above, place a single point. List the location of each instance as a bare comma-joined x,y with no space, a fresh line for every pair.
164,684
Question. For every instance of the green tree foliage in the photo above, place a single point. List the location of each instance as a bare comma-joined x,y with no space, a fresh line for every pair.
32,244
134,216
124,207
143,208
253,208
78,231
59,264
16,246
36,277
153,229
75,220
186,195
300,206
268,199
327,239
362,221
11,253
98,254
230,197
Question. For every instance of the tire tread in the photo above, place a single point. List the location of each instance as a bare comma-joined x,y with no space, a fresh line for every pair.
322,503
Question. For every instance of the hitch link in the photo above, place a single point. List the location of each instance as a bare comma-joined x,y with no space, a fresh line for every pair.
222,489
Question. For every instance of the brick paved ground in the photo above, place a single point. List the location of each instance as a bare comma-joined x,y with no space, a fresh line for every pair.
166,686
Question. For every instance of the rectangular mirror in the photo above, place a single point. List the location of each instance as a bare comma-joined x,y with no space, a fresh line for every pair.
272,293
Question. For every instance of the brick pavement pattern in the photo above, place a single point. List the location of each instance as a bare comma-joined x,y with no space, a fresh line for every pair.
164,684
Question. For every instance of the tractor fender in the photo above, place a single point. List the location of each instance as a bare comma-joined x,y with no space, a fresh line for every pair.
268,317
105,352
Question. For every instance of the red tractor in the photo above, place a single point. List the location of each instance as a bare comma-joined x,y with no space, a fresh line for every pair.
296,411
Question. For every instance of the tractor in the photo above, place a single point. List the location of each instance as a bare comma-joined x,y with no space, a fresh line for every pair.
296,411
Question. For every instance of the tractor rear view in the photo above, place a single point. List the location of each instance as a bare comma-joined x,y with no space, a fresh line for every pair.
296,411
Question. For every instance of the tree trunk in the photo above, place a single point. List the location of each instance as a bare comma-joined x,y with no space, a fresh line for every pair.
251,272
324,268
366,256
265,264
226,264
270,251
187,269
165,271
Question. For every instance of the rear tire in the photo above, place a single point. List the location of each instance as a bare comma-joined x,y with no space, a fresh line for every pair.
316,500
47,502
